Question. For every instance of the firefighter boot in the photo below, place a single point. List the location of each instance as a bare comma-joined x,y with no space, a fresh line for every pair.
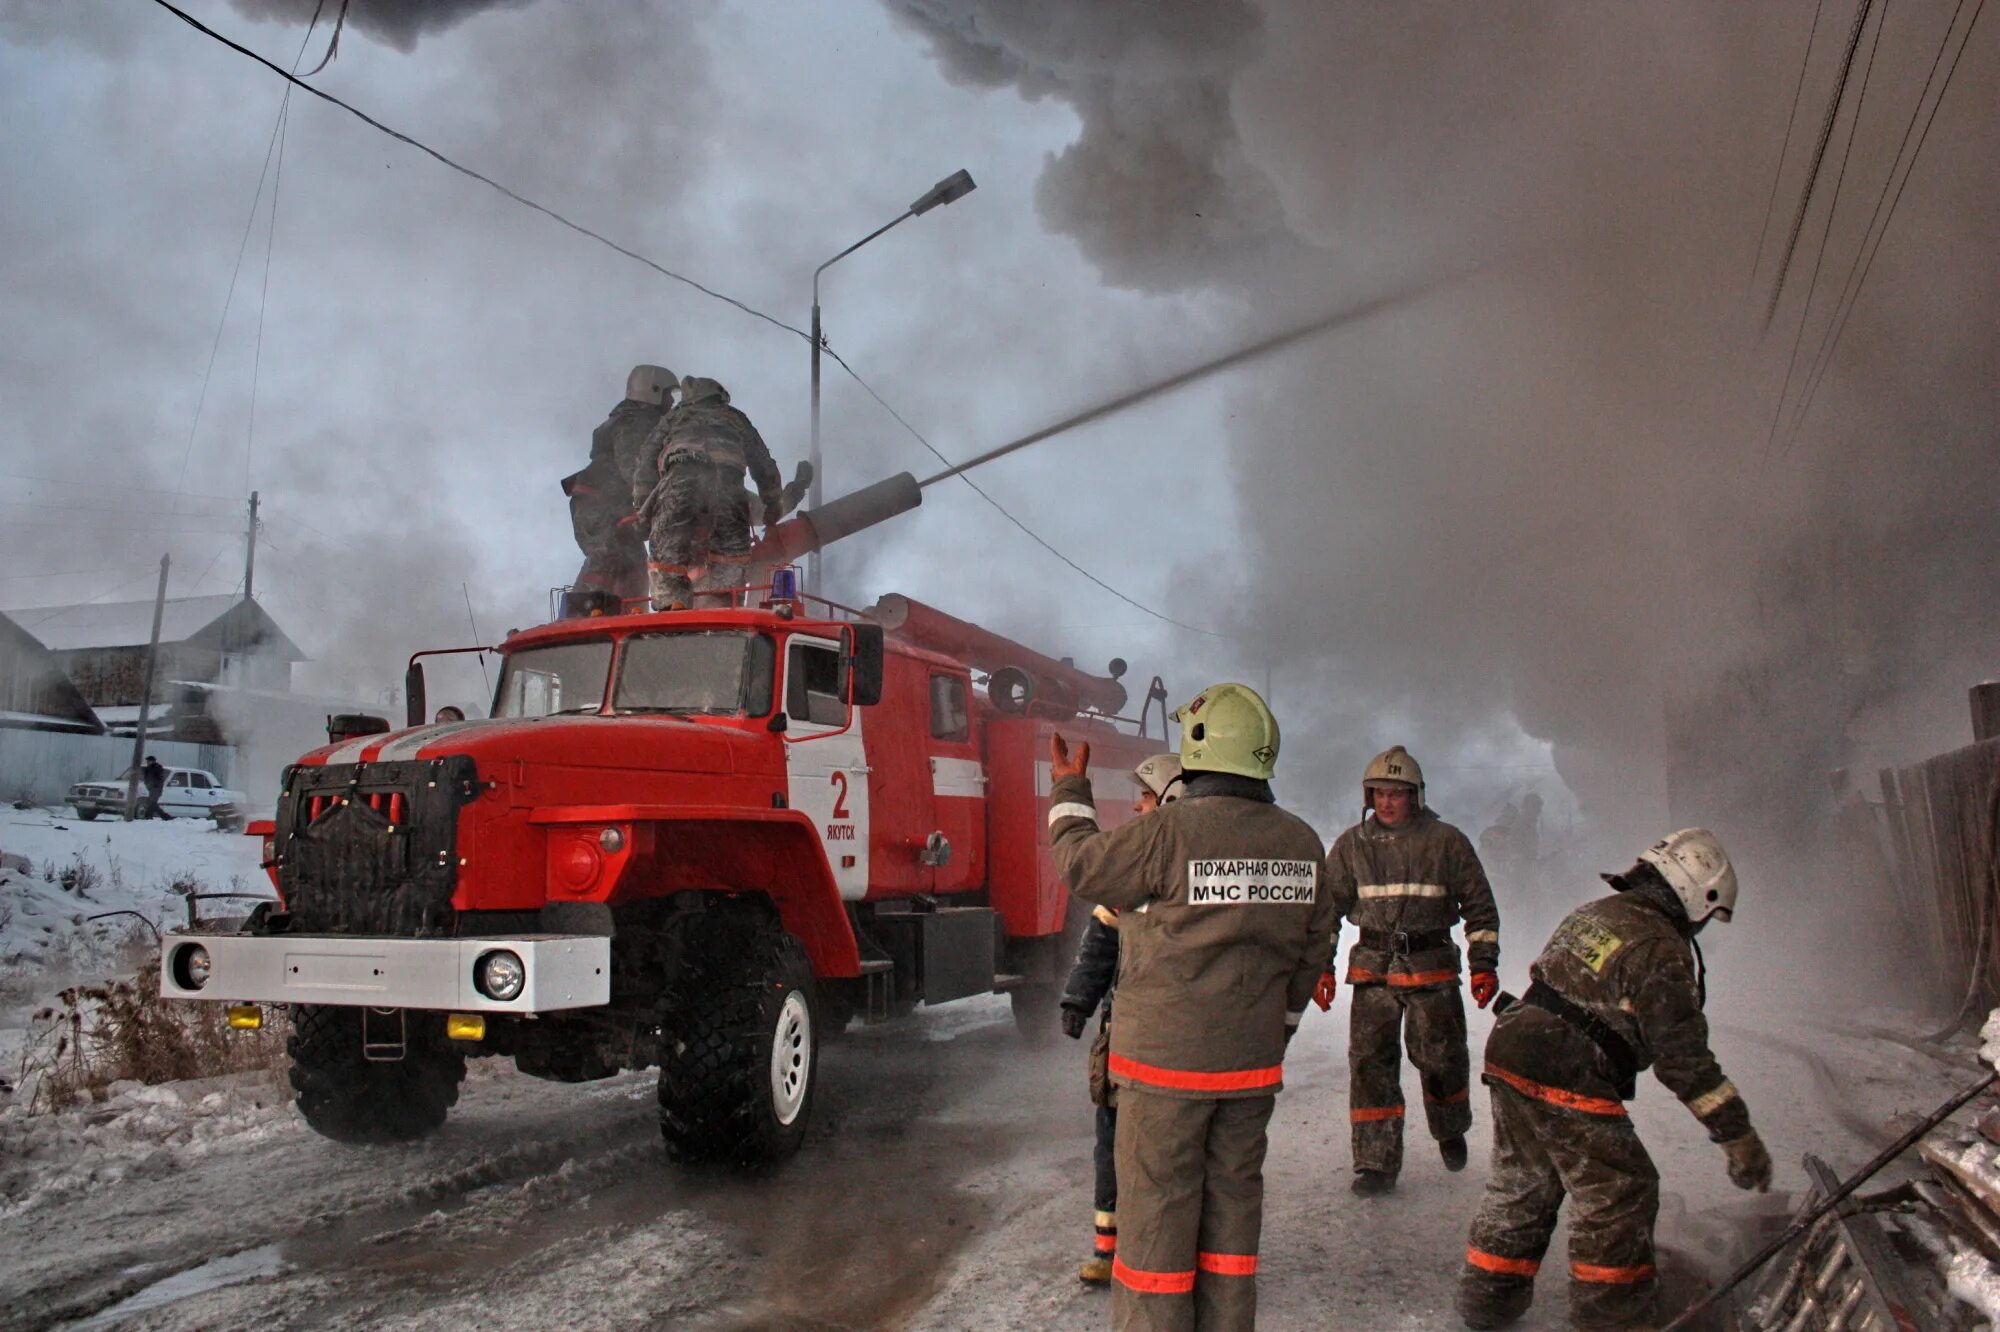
1454,1152
1096,1270
1373,1183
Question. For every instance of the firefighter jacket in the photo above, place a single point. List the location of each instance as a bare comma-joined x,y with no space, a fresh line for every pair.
1095,973
1406,887
1223,931
705,428
1626,962
615,447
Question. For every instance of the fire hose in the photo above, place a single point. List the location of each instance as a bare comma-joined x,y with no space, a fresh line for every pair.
1809,1218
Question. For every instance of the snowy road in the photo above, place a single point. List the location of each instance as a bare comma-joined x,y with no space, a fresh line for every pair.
947,1186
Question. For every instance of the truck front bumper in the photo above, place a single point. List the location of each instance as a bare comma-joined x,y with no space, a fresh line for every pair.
563,971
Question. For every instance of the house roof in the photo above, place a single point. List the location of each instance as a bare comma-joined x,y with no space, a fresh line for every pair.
33,689
225,622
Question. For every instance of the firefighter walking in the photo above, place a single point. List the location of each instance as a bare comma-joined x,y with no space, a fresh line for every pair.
697,510
601,503
1405,877
1223,930
1619,988
1091,981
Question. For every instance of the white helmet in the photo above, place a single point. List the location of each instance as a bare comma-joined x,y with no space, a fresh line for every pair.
1392,767
1160,774
650,383
1696,867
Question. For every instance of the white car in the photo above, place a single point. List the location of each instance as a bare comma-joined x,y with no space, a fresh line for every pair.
190,793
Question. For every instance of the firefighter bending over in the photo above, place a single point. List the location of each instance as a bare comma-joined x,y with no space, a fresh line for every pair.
1405,877
1223,930
1618,988
697,510
1091,981
601,502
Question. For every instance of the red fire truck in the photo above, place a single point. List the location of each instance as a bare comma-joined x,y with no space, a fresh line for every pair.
704,840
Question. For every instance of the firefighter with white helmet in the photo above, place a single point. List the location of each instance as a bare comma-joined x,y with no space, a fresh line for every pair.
1223,930
1618,989
1405,877
1091,981
601,502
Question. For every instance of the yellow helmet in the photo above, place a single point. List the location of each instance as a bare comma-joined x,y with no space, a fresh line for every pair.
1228,728
1393,767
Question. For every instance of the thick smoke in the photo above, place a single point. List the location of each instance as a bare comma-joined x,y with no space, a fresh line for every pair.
398,22
1544,496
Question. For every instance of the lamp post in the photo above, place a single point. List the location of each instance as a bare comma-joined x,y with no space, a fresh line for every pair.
953,187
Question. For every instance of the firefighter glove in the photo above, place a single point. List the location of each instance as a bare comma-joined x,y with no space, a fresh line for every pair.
1749,1163
1073,1022
1062,764
1484,986
1323,992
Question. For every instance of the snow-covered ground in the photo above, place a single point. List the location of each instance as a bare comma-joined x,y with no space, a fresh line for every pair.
946,1184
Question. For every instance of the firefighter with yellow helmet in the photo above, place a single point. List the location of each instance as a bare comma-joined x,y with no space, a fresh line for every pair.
1224,929
1618,989
1405,877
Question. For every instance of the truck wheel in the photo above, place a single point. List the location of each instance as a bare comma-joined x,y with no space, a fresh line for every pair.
350,1098
739,1052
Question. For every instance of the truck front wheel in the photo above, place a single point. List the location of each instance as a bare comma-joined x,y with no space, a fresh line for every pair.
346,1096
739,1052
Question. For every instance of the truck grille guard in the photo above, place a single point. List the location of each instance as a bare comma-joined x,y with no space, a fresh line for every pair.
372,848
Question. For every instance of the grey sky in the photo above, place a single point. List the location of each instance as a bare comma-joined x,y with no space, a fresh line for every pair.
1508,504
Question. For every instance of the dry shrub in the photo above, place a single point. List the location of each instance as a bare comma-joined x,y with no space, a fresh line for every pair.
97,1035
79,876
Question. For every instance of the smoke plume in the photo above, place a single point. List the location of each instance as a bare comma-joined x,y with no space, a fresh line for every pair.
398,22
1547,496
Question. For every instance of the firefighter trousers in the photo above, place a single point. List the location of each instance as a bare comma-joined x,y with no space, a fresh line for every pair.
1382,1019
700,534
1542,1153
1105,1161
1191,1175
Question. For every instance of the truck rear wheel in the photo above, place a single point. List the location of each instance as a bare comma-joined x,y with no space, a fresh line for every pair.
348,1097
739,1051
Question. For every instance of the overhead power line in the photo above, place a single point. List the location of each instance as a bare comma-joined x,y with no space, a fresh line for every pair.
1785,149
1872,237
1818,156
1826,230
656,267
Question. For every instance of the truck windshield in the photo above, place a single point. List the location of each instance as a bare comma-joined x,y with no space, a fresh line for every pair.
565,677
726,672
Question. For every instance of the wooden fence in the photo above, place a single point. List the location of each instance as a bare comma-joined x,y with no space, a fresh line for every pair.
1942,818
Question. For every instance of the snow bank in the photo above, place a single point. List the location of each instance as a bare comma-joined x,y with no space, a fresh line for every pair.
1973,1279
56,871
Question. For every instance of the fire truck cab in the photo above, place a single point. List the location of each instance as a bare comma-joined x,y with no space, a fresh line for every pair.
704,840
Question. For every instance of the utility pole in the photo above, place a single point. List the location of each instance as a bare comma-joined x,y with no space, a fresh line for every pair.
146,695
250,550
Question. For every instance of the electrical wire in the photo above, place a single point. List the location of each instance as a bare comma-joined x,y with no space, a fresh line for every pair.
1826,230
1818,157
1004,513
264,291
1864,259
1784,151
468,172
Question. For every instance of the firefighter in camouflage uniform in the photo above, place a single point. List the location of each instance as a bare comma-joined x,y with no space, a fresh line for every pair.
1223,929
1405,877
698,511
1091,981
601,503
1617,989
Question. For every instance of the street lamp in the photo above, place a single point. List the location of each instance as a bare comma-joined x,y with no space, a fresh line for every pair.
953,187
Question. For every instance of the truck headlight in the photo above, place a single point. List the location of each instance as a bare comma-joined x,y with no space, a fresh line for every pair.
500,975
192,967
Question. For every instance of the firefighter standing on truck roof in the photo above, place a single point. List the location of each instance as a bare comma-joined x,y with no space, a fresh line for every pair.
1222,931
601,506
698,513
1405,877
1091,981
1618,988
